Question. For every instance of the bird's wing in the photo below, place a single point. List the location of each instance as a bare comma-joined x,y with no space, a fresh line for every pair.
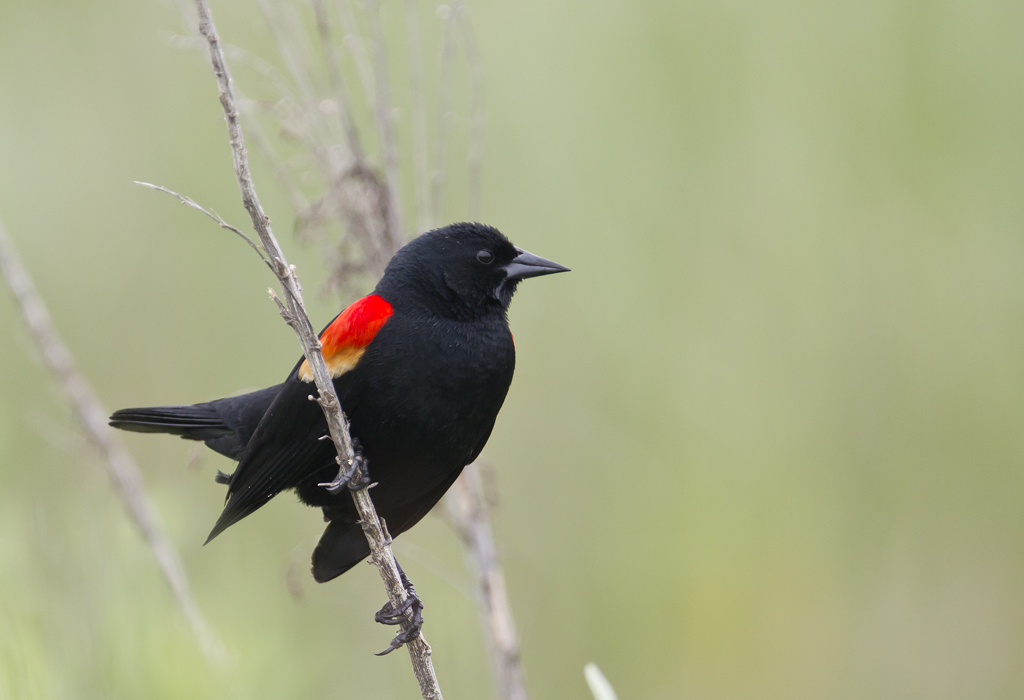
286,448
243,413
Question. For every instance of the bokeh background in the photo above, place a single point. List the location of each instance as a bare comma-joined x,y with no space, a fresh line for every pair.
764,441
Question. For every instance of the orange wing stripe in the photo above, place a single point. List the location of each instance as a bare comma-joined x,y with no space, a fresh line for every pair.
345,340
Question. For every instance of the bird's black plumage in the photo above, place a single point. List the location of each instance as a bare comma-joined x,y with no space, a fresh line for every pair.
422,395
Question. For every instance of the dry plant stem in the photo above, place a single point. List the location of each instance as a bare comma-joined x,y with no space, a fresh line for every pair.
357,48
293,52
444,98
188,201
467,508
121,467
282,173
476,126
323,27
385,124
419,116
295,315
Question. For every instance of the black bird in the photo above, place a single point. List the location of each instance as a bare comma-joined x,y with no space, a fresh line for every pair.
421,367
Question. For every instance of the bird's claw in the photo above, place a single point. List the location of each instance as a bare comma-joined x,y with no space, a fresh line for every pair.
343,478
411,611
389,615
355,477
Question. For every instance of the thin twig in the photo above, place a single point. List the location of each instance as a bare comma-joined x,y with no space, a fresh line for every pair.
444,97
476,106
295,313
121,467
238,55
323,27
220,222
296,58
421,175
468,513
356,45
386,126
282,172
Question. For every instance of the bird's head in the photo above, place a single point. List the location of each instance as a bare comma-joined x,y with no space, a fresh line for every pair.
461,270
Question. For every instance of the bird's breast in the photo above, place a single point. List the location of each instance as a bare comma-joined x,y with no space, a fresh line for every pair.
425,394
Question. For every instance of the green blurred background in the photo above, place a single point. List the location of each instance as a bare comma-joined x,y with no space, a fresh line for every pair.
763,442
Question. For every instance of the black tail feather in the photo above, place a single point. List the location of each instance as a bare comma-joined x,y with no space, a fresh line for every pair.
198,422
225,424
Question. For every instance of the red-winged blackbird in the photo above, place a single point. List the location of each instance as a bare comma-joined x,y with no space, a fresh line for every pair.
421,366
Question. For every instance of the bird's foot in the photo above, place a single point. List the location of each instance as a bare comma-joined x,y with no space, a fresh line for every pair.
355,477
343,478
410,611
222,478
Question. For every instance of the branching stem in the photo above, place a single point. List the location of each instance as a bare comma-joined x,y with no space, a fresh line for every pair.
381,554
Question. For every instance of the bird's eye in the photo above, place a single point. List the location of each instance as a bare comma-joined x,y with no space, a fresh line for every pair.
485,257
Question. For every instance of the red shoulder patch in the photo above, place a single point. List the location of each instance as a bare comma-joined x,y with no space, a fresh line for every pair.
356,326
345,340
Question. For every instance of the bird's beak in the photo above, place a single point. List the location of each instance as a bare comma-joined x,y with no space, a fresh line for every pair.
529,265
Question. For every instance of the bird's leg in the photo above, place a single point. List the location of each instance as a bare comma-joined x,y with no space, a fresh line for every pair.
411,610
355,477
